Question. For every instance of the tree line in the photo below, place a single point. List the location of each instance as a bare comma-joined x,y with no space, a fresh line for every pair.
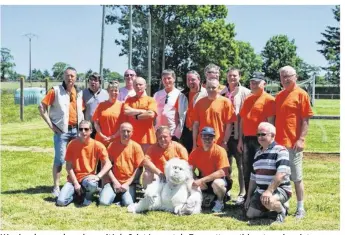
188,37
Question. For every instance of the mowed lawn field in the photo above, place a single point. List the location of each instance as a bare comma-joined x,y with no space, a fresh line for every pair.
26,202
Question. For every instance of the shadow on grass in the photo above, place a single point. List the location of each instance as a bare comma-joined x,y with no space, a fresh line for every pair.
35,190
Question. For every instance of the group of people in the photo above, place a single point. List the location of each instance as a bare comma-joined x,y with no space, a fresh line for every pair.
122,136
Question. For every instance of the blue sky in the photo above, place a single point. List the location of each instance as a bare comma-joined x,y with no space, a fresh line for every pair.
71,34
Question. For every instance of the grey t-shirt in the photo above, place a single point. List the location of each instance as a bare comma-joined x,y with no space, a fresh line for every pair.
91,101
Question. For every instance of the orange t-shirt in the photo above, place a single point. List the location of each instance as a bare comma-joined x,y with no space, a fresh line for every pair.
143,130
256,109
109,116
189,113
49,100
84,157
126,159
209,161
160,156
214,113
292,107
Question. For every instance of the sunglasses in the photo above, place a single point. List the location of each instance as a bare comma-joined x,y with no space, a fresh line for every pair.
129,74
261,134
166,99
207,136
84,129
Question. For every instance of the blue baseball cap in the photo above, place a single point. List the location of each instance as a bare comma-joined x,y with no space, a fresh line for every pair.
258,76
208,131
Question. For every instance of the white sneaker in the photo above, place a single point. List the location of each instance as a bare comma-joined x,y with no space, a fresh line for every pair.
240,200
56,191
218,207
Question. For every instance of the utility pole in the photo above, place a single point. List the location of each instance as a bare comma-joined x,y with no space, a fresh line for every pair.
102,42
130,38
30,36
149,56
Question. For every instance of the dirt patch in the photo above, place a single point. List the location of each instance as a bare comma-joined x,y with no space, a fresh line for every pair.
330,157
24,149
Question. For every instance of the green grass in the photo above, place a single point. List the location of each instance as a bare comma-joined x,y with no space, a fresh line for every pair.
326,107
323,136
27,204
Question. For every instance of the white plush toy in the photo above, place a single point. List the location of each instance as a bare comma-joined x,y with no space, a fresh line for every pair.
175,195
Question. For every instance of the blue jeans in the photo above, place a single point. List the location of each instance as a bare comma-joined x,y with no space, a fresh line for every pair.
67,192
60,145
108,195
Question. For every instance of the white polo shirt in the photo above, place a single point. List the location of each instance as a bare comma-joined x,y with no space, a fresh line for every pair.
166,109
124,93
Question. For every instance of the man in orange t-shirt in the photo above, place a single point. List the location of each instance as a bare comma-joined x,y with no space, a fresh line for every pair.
214,111
126,156
65,113
213,165
257,107
82,156
193,92
141,111
292,122
161,152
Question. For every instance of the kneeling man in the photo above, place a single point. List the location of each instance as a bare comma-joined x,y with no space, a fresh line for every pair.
212,162
158,154
82,155
126,156
270,180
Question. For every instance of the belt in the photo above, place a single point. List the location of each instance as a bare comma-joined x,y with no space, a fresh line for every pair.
71,127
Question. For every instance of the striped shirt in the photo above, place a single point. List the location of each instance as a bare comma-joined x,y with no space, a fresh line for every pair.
267,163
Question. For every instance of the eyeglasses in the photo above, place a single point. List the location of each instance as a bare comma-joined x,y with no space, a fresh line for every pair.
287,76
261,134
166,99
130,74
84,129
215,72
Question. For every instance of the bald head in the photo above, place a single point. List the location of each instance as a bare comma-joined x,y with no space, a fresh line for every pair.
139,86
126,132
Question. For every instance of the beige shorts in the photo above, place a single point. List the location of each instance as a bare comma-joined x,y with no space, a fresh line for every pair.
296,165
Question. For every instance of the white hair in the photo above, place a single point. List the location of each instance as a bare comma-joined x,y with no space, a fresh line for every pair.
287,70
268,126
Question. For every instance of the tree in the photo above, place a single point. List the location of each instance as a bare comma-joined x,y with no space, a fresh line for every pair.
37,74
88,74
58,69
248,61
331,48
115,76
6,63
46,73
278,52
184,37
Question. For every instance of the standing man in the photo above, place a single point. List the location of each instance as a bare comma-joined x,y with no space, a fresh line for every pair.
82,156
213,166
269,181
167,101
236,93
214,111
141,111
212,72
126,156
92,96
161,152
292,122
128,90
193,92
258,107
65,113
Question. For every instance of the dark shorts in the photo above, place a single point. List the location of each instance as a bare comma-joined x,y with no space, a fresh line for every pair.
255,201
209,190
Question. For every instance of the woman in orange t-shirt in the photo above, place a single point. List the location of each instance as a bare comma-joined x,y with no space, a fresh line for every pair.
108,116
